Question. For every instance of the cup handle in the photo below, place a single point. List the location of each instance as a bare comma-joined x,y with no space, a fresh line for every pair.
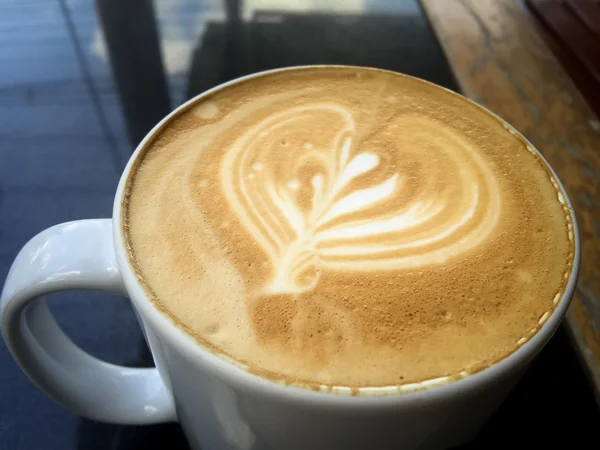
75,255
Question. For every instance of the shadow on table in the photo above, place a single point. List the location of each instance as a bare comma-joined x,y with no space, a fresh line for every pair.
273,39
552,403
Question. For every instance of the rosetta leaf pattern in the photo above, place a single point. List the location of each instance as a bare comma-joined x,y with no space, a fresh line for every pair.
332,219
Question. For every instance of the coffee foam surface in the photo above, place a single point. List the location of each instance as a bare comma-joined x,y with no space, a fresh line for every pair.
348,227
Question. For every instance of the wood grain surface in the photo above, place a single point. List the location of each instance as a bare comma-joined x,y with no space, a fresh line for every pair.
501,62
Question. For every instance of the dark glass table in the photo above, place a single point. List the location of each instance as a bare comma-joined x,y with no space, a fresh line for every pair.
81,83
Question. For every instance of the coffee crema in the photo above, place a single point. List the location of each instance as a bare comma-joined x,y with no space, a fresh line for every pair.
343,227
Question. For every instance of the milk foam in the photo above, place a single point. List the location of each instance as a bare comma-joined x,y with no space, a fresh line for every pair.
345,229
341,228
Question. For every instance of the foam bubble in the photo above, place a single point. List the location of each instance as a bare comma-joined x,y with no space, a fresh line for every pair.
206,110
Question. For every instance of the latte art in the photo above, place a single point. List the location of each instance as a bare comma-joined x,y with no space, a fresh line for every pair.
343,226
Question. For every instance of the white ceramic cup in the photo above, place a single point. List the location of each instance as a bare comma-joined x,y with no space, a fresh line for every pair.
220,406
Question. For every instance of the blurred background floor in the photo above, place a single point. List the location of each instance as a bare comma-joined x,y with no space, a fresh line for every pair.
69,120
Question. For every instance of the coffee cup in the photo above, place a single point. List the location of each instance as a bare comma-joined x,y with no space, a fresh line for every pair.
303,386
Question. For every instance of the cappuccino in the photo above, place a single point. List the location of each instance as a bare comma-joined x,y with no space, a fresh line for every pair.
343,227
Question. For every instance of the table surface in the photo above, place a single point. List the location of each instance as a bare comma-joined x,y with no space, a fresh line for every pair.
82,82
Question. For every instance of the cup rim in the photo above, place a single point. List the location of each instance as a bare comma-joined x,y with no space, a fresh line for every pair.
236,376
